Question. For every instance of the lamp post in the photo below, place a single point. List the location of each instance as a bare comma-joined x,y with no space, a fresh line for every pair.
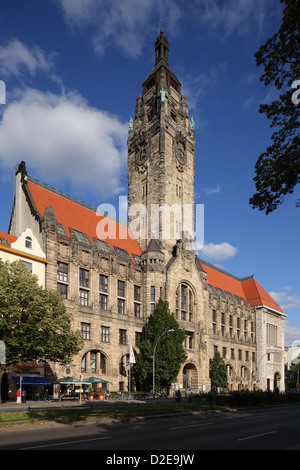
154,350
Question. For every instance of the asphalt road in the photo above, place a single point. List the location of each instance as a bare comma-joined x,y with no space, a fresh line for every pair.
270,428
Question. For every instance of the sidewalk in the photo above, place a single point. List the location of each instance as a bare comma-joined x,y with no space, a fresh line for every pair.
40,405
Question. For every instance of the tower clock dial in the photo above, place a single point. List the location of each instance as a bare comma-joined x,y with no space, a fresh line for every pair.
180,154
142,154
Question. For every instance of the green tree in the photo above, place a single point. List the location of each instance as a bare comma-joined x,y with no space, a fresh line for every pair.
34,321
278,168
169,350
218,372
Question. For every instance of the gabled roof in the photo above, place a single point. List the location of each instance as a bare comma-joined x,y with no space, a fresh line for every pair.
78,218
247,289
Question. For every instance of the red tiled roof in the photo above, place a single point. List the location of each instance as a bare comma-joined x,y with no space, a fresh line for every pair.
71,214
248,288
256,295
9,239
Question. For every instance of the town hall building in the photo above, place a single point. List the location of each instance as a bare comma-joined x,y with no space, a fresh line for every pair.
110,285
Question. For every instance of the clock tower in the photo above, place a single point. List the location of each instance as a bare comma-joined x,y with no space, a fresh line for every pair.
161,159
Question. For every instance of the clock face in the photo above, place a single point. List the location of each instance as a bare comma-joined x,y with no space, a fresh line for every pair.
142,155
180,154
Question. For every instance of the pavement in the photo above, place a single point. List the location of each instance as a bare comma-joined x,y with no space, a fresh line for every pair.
40,405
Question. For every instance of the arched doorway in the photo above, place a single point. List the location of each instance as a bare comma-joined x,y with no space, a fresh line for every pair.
190,377
277,378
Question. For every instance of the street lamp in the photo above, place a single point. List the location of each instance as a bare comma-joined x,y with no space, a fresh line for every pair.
154,350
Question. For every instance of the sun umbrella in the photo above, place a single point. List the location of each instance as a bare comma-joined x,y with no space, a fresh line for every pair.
71,380
96,380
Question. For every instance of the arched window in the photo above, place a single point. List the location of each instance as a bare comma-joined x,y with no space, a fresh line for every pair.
95,362
184,302
28,243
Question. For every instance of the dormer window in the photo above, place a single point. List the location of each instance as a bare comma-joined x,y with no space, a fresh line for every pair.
28,243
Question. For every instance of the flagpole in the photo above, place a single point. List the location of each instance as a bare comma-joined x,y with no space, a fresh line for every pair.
131,361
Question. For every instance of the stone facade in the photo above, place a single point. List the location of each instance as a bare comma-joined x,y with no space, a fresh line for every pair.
110,288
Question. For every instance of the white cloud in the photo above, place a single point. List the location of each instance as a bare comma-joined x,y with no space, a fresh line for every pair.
125,23
292,333
240,16
218,252
17,58
64,140
216,190
285,300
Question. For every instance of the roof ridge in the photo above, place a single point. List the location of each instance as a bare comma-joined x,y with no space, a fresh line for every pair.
74,199
222,271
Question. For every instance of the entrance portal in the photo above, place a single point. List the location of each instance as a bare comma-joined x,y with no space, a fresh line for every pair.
190,377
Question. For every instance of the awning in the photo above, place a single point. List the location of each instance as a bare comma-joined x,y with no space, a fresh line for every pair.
31,380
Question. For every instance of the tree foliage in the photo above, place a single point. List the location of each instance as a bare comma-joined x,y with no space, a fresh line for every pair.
278,168
169,352
218,372
34,323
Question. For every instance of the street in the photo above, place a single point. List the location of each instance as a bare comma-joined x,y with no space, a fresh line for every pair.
270,428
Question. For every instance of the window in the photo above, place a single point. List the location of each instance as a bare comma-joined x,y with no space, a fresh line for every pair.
137,301
28,243
103,287
83,282
85,330
62,279
189,340
122,337
105,334
83,277
138,337
137,310
152,299
103,302
271,335
121,297
184,303
121,306
62,272
63,289
137,293
121,289
27,265
103,283
84,297
93,361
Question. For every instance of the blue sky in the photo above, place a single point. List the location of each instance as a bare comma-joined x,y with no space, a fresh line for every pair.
73,70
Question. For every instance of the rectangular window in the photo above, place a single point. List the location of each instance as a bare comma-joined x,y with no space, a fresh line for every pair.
63,289
137,310
27,265
62,272
105,334
84,297
85,330
103,283
122,337
271,335
121,306
62,278
121,289
137,293
121,297
83,277
103,301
